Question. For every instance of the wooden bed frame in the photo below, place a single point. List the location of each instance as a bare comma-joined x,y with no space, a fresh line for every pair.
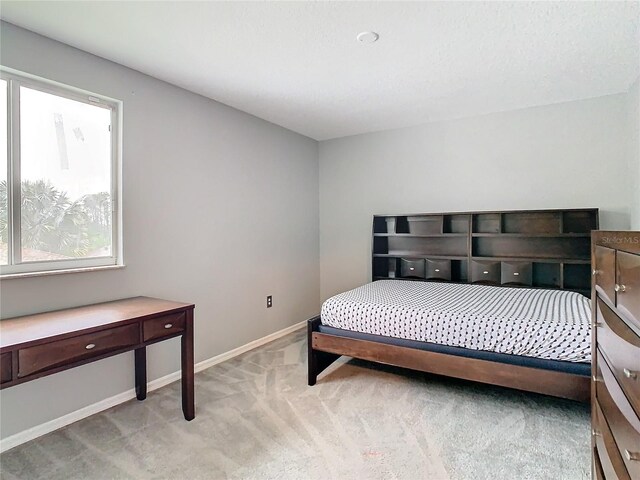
548,249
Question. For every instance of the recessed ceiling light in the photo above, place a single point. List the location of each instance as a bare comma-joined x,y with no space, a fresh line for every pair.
368,37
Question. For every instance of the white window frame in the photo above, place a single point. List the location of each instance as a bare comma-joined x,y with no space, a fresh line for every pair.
16,267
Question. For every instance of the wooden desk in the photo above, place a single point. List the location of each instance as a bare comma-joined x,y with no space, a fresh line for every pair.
37,345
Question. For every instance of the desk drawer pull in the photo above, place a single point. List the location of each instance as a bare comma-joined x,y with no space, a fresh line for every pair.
168,325
620,288
628,373
90,346
632,456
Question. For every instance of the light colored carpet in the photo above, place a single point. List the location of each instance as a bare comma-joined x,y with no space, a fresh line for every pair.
256,418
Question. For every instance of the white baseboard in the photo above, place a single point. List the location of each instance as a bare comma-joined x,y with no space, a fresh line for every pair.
52,425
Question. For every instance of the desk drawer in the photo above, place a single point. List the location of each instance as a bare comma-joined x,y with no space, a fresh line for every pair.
62,352
621,347
5,367
163,326
620,417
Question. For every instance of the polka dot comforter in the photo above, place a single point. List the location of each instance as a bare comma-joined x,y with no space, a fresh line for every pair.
549,324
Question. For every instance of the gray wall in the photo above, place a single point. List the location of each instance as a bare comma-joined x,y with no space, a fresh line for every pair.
634,155
559,156
220,209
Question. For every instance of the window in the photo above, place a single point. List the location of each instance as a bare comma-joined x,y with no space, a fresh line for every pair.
59,172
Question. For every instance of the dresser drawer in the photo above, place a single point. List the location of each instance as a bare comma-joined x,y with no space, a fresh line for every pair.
628,296
5,367
163,326
485,272
621,347
605,274
62,352
596,466
623,423
610,460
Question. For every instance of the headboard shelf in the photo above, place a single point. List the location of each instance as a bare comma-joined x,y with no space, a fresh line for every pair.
413,255
531,235
532,248
537,259
418,235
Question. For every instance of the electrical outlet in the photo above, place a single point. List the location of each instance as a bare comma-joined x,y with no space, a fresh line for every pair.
269,301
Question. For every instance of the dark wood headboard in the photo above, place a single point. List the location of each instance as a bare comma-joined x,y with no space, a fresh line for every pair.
535,248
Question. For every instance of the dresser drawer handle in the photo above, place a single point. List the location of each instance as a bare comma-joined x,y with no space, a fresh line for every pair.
168,325
437,269
91,346
633,456
516,273
620,288
486,272
628,373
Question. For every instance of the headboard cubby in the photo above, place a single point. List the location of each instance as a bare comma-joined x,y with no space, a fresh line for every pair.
532,248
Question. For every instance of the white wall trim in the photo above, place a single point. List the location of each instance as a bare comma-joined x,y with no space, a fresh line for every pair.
52,425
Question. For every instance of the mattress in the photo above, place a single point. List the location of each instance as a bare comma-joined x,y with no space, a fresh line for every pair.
538,323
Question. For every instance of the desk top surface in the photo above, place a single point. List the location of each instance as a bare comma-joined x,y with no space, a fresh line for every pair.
29,328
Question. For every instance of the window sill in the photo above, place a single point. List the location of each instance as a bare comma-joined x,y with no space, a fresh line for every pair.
45,273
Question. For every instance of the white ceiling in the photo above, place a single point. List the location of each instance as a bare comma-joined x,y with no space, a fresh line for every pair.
298,64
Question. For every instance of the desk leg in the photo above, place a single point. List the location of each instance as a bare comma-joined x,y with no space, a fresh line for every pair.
188,396
141,372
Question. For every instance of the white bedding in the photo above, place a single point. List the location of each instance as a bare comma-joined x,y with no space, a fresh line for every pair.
549,324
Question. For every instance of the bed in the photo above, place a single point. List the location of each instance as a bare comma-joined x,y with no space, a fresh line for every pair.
514,334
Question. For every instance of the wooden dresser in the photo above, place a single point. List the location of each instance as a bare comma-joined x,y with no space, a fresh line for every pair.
615,383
